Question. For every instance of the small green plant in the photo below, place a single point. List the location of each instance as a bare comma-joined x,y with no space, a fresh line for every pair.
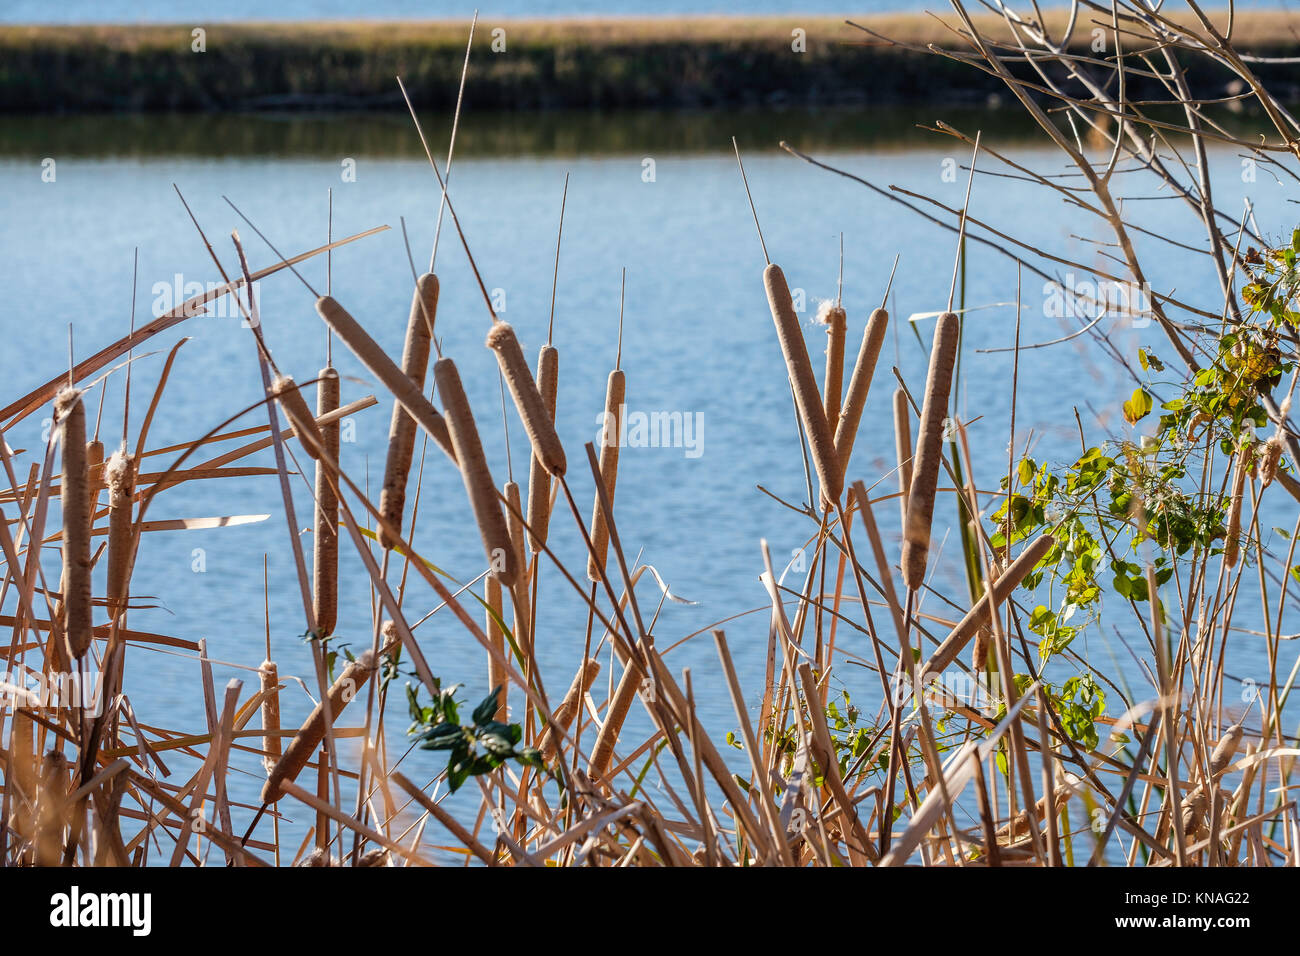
474,749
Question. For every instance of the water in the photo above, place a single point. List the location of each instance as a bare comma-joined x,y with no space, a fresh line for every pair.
698,340
206,11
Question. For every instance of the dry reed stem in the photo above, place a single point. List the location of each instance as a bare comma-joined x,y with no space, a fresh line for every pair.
325,537
820,440
610,438
290,398
381,366
119,474
480,488
539,479
864,370
532,408
70,412
401,429
978,616
309,736
569,707
929,450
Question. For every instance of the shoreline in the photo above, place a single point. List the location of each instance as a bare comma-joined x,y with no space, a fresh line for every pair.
601,63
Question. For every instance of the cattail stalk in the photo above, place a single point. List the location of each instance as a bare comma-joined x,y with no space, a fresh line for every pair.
119,474
1232,543
836,321
474,471
71,413
309,736
532,409
811,412
496,672
978,616
570,707
271,746
289,395
864,369
903,449
325,561
539,479
929,451
401,429
381,366
611,436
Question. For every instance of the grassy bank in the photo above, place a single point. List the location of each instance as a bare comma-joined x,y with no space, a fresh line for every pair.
579,64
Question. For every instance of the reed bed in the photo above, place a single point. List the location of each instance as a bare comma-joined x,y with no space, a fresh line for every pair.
1030,755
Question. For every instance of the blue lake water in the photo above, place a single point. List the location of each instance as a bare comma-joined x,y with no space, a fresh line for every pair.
698,339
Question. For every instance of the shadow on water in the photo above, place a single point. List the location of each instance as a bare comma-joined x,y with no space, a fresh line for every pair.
556,133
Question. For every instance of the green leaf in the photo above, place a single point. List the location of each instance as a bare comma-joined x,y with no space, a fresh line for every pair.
487,708
1138,407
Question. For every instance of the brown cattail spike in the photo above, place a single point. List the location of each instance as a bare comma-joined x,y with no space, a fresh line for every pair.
401,430
381,366
859,385
70,412
835,319
539,479
610,439
119,473
1232,541
325,564
811,412
474,471
270,679
929,450
309,736
903,449
528,400
295,408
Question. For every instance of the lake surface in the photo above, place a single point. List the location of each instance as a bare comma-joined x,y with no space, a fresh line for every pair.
184,11
698,339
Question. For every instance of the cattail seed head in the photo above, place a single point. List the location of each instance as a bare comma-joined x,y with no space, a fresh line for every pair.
501,339
402,427
539,479
325,536
270,686
864,369
836,321
474,471
70,412
119,475
295,408
611,436
929,450
811,411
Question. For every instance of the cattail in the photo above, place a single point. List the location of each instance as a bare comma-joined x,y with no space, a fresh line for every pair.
95,470
611,435
873,336
1225,750
539,479
1269,460
381,366
325,563
978,616
569,707
515,523
401,430
295,408
119,474
809,403
615,714
496,671
903,449
528,400
468,451
312,732
71,413
270,714
835,319
1232,544
929,451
